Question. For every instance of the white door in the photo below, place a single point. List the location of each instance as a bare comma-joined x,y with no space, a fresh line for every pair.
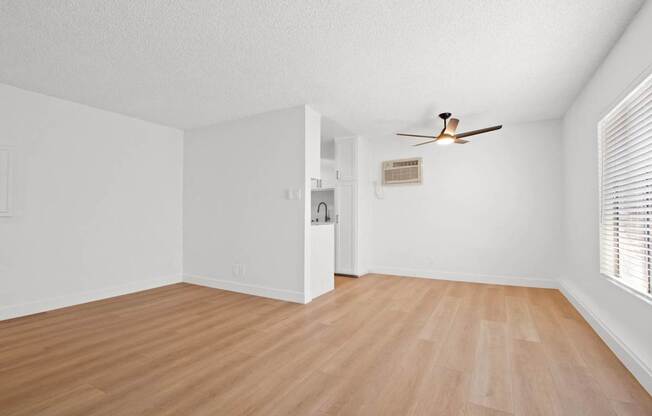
345,227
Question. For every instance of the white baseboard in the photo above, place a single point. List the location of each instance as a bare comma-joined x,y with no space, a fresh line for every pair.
634,364
29,308
468,277
249,289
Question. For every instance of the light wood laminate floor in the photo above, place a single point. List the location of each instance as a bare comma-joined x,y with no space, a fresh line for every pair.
378,345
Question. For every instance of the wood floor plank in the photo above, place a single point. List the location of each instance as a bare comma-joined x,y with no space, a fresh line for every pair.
477,410
407,361
516,291
306,399
377,345
617,384
459,348
437,325
558,346
534,388
614,379
442,393
520,322
491,378
629,409
76,400
588,344
408,370
578,392
493,304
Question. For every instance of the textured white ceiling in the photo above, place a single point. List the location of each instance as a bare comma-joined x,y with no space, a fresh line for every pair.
372,66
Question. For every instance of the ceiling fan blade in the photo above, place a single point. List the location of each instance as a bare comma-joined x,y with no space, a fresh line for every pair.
451,126
416,135
421,144
480,131
461,141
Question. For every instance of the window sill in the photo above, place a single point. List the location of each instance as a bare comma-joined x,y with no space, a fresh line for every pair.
642,297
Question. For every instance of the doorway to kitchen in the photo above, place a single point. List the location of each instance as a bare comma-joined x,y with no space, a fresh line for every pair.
334,197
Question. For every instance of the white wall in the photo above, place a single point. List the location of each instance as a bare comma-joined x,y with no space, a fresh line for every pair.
236,209
312,169
622,318
97,204
486,211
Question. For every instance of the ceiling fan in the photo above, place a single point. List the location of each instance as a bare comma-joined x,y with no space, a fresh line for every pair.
447,134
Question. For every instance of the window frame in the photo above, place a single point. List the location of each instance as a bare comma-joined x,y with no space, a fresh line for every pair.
631,89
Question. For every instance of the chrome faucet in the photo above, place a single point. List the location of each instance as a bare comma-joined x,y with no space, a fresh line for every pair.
326,217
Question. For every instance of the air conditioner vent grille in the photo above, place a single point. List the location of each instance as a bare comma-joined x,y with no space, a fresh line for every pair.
402,171
405,163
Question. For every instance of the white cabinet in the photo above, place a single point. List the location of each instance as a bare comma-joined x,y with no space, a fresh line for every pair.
346,155
322,274
346,210
328,173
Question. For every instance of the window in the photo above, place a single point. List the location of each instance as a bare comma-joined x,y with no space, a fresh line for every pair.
625,153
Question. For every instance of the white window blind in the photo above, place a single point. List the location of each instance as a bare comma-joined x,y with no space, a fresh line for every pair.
625,151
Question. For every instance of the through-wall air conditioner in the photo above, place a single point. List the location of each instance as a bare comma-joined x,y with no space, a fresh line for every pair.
402,171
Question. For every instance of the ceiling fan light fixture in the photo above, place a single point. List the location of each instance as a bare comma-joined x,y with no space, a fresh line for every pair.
448,134
445,139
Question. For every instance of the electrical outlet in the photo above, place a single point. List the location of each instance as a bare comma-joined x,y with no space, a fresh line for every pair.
243,269
235,269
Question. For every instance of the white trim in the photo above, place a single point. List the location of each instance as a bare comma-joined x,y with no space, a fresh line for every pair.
255,290
633,362
468,277
14,311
